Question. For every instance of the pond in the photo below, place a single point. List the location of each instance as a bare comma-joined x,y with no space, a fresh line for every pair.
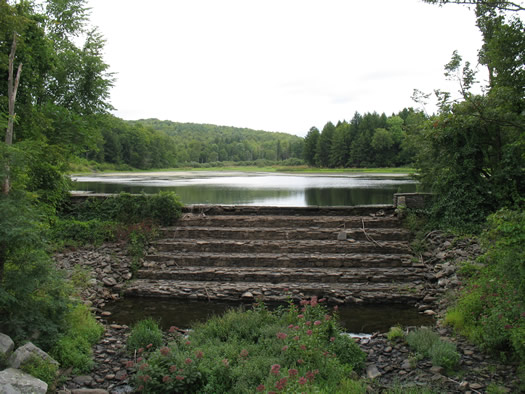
358,319
261,189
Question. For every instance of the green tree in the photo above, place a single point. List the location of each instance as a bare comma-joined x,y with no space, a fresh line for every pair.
310,146
324,145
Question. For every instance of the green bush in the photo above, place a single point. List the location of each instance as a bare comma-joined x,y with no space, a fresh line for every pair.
41,369
292,349
145,334
75,232
74,348
444,354
421,340
395,333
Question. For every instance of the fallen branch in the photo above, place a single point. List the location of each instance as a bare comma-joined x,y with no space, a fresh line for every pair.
368,237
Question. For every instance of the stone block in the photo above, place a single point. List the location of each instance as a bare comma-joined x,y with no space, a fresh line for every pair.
15,381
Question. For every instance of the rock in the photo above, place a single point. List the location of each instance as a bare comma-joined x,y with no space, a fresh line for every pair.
463,386
437,370
341,236
24,353
109,281
476,386
6,344
15,381
83,380
372,372
89,391
247,294
429,312
406,365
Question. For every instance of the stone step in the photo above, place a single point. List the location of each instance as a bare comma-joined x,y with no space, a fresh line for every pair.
268,292
281,246
288,233
279,275
235,210
162,260
290,221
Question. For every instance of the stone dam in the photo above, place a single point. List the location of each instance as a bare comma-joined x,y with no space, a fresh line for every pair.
242,253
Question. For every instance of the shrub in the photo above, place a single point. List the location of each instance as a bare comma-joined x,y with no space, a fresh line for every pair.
395,333
145,334
74,348
288,350
41,369
444,354
422,339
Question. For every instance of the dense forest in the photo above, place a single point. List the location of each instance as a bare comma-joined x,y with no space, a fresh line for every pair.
55,110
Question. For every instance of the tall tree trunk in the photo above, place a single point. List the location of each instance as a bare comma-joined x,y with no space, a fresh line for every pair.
12,87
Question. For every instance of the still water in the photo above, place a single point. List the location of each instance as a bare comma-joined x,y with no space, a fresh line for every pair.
255,188
364,319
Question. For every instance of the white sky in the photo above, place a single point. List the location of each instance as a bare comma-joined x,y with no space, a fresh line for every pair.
277,65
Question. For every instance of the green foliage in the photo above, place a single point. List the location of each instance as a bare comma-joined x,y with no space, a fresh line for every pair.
71,232
162,208
289,350
145,334
395,333
490,308
74,348
41,369
427,343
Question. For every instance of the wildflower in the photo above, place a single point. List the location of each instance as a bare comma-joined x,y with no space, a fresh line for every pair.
332,339
317,323
300,361
173,368
281,335
143,366
244,353
166,379
290,326
310,376
313,302
139,359
140,350
308,323
172,329
327,317
285,348
225,362
300,316
165,351
149,346
178,377
199,354
296,338
322,300
187,343
281,384
296,328
309,332
275,369
260,388
292,372
303,347
508,326
145,378
188,361
302,380
130,364
304,302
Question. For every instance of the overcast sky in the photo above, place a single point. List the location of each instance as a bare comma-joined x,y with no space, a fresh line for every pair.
277,65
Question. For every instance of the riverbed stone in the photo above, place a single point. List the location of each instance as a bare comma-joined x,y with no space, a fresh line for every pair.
21,382
6,344
24,353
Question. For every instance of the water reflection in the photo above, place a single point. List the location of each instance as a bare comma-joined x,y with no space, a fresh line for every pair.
257,189
184,313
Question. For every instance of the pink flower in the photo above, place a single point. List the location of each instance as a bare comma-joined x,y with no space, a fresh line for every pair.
173,368
309,332
322,300
303,347
290,326
313,302
300,316
285,348
244,353
188,361
130,364
302,381
199,354
304,302
225,362
310,376
187,343
308,323
172,329
300,361
296,338
260,388
178,377
275,369
143,366
286,289
140,350
281,335
317,323
292,372
165,351
281,384
139,359
166,379
296,328
327,317
149,346
332,339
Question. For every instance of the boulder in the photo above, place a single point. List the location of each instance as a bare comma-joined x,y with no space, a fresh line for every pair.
15,381
24,353
6,344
